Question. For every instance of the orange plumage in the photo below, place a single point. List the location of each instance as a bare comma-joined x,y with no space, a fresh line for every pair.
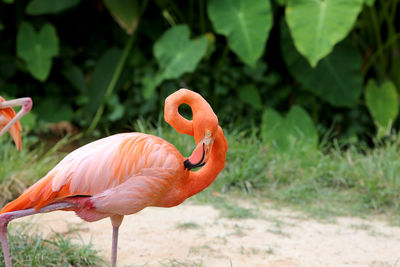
6,115
104,164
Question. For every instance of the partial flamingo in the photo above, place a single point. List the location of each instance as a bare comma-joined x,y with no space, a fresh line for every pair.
124,173
9,120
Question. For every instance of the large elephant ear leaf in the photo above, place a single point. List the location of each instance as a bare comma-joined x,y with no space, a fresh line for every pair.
369,2
272,128
301,128
40,7
316,26
294,132
37,49
336,79
125,12
383,104
246,24
176,54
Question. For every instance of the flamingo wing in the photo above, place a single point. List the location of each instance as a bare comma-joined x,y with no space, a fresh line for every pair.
99,166
6,115
150,187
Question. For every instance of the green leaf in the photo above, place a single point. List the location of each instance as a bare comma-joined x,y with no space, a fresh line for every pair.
317,25
40,7
46,108
337,78
271,129
149,84
117,109
28,121
37,49
246,24
383,104
369,2
296,131
76,77
102,75
249,94
281,2
176,54
8,1
125,12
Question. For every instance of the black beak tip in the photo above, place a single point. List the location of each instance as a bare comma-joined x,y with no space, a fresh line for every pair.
188,165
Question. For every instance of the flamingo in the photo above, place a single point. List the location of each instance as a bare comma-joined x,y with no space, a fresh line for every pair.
124,173
9,120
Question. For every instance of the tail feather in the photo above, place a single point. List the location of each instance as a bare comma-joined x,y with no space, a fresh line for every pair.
38,195
15,132
16,129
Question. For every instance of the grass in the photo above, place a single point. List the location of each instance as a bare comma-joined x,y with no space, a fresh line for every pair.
29,249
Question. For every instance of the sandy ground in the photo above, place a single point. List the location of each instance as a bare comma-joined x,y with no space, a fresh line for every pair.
193,235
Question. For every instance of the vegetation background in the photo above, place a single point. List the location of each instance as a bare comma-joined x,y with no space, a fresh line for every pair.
331,65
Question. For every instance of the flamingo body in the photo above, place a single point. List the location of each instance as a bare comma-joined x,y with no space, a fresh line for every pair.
122,174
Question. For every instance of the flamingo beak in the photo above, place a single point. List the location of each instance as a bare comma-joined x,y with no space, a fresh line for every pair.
200,155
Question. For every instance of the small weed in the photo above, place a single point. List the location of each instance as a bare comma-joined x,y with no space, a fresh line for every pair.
239,231
269,251
377,233
187,225
233,210
236,212
249,251
362,226
177,263
278,231
199,249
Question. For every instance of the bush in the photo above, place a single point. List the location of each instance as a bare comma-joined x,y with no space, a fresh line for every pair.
244,56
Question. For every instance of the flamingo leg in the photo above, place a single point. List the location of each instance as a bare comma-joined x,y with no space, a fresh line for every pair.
116,221
4,244
114,246
5,218
26,104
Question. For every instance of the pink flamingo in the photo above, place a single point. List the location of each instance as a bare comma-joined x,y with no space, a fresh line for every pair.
124,173
9,120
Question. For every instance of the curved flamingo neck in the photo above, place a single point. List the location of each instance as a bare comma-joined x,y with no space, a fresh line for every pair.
171,112
201,179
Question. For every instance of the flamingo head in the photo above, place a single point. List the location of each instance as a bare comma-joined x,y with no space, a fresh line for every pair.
205,127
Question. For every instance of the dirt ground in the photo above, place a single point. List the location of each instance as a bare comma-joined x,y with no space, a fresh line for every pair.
195,235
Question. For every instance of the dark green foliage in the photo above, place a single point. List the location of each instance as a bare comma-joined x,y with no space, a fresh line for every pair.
104,64
335,79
